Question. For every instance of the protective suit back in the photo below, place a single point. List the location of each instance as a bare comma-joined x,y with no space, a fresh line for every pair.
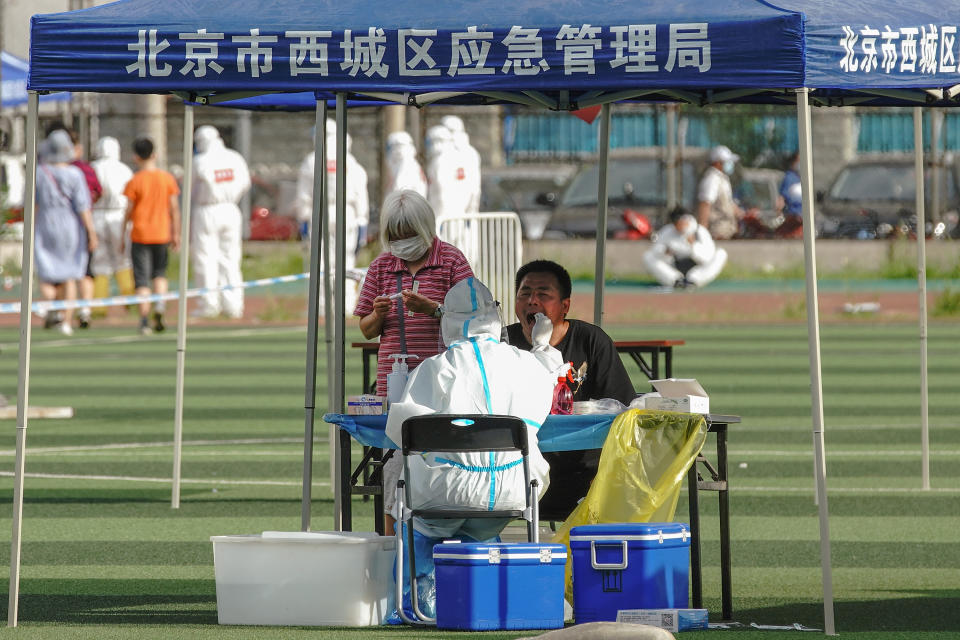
404,172
476,374
112,174
449,188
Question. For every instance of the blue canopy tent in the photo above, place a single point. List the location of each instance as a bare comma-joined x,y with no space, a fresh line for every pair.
561,56
13,92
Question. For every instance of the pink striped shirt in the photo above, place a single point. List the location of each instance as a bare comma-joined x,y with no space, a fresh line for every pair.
445,267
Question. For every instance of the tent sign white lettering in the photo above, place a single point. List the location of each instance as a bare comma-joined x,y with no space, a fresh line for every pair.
927,49
521,51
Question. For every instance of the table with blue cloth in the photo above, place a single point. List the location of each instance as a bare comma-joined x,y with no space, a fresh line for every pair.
558,433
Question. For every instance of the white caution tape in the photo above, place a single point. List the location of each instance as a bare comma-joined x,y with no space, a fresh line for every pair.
115,301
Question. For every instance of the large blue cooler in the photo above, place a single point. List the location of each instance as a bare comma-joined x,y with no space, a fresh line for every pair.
483,586
628,566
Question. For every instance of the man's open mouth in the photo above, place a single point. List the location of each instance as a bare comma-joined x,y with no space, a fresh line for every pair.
531,318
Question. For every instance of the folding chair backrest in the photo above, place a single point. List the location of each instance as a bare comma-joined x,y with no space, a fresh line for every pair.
457,433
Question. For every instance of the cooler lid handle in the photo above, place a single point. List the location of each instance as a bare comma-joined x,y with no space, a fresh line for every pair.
605,565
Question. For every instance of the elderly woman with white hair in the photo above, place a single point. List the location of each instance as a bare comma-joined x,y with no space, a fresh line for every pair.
65,234
400,301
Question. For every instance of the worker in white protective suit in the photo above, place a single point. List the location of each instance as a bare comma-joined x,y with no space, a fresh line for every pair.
403,169
448,174
357,215
684,254
471,160
477,374
220,180
109,258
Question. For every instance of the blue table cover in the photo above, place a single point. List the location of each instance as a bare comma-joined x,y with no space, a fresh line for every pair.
558,433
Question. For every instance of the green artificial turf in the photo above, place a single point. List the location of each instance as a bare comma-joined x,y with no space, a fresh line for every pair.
105,556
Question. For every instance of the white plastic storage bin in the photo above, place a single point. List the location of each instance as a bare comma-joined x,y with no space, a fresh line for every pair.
320,578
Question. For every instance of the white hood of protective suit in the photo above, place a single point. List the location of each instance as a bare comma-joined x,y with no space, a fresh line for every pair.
108,148
206,138
477,374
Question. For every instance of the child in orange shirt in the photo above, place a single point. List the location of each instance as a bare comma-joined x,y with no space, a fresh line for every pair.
153,216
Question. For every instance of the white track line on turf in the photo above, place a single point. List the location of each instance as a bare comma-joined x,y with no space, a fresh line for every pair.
70,476
147,445
842,453
811,490
171,336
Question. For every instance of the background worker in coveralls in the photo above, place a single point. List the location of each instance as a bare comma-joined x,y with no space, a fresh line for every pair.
220,179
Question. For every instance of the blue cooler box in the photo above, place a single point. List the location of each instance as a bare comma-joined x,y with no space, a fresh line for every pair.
628,566
482,586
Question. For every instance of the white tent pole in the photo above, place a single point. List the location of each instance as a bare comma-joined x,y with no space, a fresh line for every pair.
313,311
813,333
340,271
182,298
320,188
23,372
671,113
600,265
922,278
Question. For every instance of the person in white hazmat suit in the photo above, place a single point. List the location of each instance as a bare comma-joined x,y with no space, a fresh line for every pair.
109,258
684,254
220,179
477,374
471,160
357,215
448,174
403,170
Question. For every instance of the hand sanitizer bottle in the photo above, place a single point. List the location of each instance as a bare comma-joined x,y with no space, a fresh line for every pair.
397,378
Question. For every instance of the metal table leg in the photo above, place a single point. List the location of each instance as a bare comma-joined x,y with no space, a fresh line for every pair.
696,578
668,361
346,490
725,560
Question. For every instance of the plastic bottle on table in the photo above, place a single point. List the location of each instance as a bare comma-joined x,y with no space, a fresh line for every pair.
562,397
397,378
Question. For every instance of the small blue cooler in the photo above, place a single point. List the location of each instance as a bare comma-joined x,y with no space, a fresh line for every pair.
483,586
628,566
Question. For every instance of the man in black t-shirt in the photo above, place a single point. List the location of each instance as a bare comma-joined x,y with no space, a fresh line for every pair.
544,286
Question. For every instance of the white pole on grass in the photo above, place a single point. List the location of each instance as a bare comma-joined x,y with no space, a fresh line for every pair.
813,334
600,265
922,278
182,297
339,310
23,372
317,237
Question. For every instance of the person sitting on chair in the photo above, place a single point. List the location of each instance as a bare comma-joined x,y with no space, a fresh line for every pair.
477,374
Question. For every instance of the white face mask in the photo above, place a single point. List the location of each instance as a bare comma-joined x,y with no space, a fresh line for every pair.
728,167
409,248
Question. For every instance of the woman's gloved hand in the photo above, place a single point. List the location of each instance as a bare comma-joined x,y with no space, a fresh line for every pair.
541,331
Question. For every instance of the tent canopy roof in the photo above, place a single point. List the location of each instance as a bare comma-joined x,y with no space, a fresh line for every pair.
563,54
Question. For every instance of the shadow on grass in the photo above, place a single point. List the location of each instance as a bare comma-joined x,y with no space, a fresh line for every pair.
115,602
933,610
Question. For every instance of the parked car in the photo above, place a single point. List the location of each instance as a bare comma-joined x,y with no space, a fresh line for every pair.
532,191
877,199
636,187
271,209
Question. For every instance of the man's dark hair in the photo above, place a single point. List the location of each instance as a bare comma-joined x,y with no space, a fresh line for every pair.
546,266
676,213
143,147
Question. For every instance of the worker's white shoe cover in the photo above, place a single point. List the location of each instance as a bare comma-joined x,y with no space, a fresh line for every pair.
476,374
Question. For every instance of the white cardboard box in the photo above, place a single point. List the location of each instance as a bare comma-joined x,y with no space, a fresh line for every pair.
679,394
304,578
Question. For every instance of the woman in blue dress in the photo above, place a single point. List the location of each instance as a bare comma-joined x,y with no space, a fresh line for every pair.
64,225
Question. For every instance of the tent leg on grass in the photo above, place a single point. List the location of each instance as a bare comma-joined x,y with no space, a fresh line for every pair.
922,283
813,332
182,299
343,512
317,234
602,204
23,375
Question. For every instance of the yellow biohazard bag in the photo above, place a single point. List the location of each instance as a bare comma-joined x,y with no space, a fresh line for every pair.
643,463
